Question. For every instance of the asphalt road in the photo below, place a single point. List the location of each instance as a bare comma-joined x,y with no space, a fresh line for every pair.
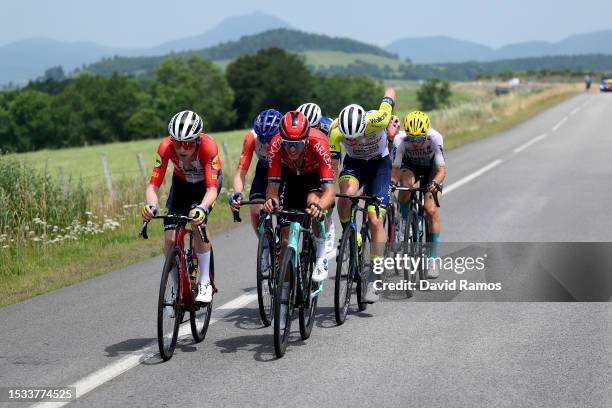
515,186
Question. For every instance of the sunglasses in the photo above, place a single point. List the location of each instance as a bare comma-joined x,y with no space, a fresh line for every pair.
185,145
417,139
287,144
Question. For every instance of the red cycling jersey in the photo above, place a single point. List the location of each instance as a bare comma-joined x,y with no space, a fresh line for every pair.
316,158
252,144
206,165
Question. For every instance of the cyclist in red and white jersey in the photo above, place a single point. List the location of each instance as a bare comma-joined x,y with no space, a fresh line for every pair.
196,182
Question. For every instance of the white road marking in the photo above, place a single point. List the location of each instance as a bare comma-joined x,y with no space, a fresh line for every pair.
472,176
575,111
558,125
529,143
128,362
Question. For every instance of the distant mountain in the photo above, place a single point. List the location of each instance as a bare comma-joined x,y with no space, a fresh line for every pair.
446,50
290,40
232,28
27,59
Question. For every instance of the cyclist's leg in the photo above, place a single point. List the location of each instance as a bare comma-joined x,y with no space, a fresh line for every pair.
407,179
349,184
432,215
378,185
258,191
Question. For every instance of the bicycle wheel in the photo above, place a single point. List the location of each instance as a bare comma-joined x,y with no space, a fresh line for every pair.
265,276
308,306
283,308
169,313
345,269
418,223
199,317
410,275
364,268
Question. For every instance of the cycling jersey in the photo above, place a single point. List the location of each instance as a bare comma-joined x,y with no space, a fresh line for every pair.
252,144
206,166
316,159
426,153
373,144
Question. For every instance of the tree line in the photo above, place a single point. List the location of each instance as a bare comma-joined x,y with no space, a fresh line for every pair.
55,112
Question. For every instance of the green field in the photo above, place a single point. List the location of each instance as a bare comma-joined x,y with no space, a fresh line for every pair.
86,162
323,58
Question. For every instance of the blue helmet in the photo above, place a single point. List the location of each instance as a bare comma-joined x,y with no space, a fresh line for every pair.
266,124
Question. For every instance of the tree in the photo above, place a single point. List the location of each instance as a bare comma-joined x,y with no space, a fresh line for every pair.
335,92
272,78
30,121
54,73
433,94
194,84
145,123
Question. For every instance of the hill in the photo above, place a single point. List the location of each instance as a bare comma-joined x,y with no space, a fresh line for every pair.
448,50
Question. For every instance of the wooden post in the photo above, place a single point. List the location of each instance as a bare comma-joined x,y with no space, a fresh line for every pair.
63,180
228,160
107,177
141,165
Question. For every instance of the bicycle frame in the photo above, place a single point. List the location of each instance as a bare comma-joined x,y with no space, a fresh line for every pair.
295,230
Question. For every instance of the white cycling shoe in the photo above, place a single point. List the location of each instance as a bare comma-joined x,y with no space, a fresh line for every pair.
321,271
433,272
330,238
370,296
205,292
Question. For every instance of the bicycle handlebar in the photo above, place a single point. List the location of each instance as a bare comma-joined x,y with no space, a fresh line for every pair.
236,214
414,190
353,198
145,224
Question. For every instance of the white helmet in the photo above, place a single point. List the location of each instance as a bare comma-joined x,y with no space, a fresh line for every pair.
185,126
352,121
312,111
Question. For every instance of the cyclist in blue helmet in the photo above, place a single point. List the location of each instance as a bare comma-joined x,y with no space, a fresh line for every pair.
257,140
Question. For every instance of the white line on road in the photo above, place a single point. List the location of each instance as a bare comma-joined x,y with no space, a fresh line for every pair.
575,111
126,363
529,143
472,176
558,125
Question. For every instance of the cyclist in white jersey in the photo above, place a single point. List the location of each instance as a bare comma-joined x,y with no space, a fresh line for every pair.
419,151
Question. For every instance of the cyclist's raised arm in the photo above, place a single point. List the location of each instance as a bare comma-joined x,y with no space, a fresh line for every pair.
379,119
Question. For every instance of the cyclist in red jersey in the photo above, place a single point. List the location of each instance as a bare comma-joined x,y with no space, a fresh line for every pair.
300,177
196,182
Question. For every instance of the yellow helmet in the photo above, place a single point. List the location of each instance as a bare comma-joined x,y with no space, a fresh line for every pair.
416,123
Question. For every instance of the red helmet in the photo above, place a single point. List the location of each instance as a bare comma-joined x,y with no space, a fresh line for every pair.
294,126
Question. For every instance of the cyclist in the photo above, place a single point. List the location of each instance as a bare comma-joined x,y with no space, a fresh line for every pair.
392,131
300,177
420,152
366,162
256,140
196,180
312,111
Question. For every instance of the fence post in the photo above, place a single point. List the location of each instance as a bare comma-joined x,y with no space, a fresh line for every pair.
141,165
228,159
63,180
107,177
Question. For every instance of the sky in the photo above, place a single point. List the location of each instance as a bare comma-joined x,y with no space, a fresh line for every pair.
146,23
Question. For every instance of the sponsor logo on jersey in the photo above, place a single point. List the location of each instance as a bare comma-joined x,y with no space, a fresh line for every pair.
158,162
214,163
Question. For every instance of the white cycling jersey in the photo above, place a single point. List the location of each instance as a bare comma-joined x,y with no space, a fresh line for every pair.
430,151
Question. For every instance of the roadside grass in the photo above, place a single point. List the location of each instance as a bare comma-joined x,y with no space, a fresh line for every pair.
34,268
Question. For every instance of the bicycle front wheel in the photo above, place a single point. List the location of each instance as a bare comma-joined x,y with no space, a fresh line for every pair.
283,306
169,313
308,305
199,317
364,268
266,276
345,270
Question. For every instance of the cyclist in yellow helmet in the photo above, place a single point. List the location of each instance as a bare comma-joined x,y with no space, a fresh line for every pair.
419,152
